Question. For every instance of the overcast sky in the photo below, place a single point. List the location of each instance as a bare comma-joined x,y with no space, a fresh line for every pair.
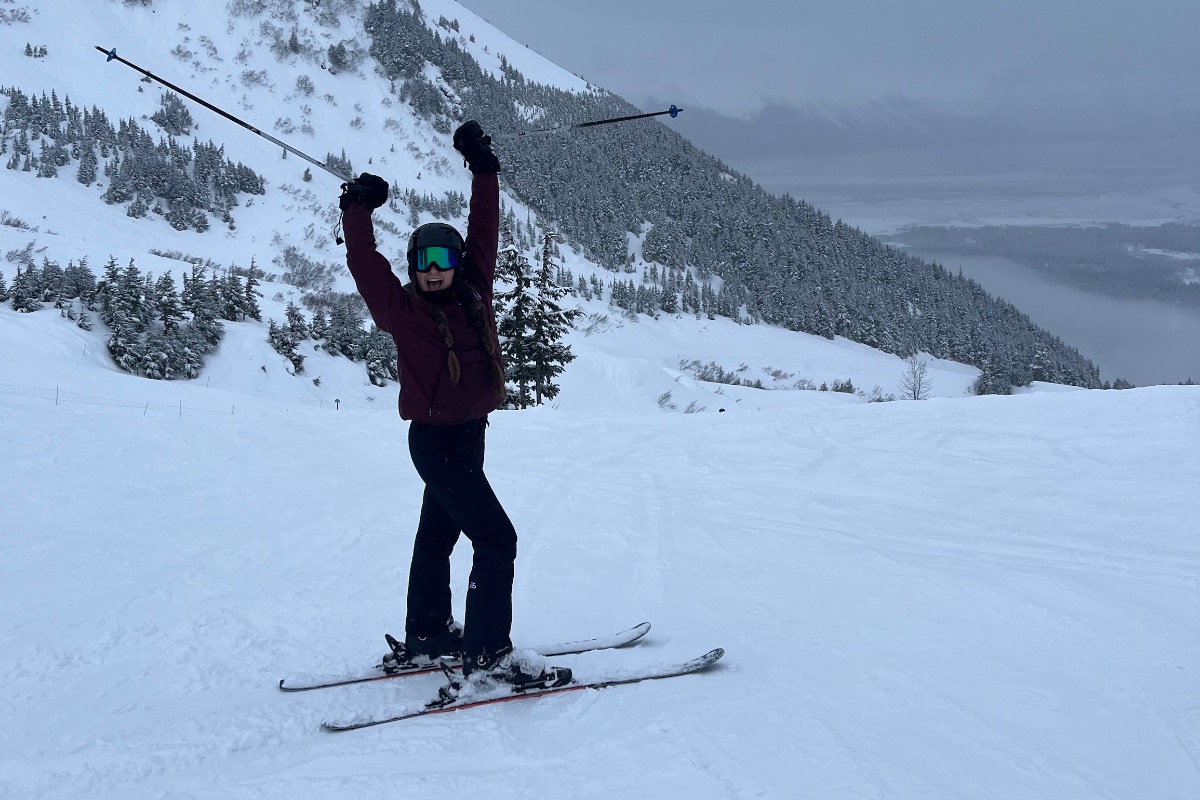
1028,56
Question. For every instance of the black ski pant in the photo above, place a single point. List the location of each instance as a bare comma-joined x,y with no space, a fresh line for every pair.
459,499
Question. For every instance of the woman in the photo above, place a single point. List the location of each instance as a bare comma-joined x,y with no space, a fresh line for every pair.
451,378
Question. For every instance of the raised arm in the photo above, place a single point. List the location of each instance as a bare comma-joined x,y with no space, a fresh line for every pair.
372,273
483,226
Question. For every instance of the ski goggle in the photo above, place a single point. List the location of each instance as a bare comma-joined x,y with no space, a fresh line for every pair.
441,258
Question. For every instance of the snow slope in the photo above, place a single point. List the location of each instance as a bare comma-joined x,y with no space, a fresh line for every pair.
971,597
226,59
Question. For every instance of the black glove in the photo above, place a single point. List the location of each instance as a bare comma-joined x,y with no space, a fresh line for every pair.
476,148
366,190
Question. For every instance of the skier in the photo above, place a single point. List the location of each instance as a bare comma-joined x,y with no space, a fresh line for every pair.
451,378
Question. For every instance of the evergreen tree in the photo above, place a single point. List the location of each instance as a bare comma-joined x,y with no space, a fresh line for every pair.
87,164
124,341
233,297
993,379
187,297
201,299
25,292
198,297
250,296
548,354
135,296
208,330
189,351
106,289
170,308
3,288
52,282
318,329
127,312
180,216
379,351
345,334
295,321
45,163
669,298
83,282
157,356
514,312
174,116
284,341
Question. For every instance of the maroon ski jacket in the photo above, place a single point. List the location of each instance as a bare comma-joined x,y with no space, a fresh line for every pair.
427,393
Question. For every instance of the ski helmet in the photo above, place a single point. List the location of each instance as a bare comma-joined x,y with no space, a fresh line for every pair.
432,234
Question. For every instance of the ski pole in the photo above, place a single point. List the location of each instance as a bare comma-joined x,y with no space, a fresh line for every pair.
673,111
112,56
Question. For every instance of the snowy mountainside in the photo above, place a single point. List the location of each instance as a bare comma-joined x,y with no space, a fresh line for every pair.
227,59
302,70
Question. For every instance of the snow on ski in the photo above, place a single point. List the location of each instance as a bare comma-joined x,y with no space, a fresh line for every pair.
505,694
377,673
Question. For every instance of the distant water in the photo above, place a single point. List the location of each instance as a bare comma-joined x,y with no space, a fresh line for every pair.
1142,341
881,192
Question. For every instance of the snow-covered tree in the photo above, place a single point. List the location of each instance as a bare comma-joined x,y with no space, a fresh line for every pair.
250,296
345,334
25,293
514,312
82,281
157,356
170,309
379,351
174,116
87,164
992,380
53,283
295,321
284,341
548,354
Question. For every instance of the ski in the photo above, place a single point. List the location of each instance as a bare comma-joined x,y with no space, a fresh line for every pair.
506,694
378,673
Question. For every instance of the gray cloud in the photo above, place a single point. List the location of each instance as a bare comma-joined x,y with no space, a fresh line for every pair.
1027,56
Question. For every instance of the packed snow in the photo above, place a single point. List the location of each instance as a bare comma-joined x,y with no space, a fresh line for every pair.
960,597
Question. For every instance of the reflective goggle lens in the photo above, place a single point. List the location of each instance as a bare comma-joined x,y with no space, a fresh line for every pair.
440,258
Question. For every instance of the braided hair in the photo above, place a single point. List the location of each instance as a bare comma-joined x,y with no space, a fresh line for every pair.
440,234
473,302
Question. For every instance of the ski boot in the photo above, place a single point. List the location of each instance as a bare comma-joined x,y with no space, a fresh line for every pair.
423,650
520,671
